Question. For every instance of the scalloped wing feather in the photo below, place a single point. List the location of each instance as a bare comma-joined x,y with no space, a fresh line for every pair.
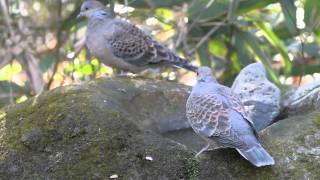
209,117
134,46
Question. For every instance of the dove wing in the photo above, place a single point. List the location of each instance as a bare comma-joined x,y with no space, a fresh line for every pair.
209,117
134,46
236,104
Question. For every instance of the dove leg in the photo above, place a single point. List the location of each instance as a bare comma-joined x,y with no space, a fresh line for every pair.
153,73
122,73
202,150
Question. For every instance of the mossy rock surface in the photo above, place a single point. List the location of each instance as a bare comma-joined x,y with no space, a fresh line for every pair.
113,126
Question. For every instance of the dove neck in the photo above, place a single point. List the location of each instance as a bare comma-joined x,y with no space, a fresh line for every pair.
100,14
207,79
98,18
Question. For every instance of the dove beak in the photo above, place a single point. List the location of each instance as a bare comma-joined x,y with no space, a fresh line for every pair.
80,15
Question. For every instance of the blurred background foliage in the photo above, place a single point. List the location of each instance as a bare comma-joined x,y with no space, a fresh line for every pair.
42,42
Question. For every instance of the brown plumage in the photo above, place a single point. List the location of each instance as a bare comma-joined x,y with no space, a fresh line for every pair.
123,45
216,114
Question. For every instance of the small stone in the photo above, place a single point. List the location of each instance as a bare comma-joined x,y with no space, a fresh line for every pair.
76,132
305,90
115,176
122,90
260,97
149,158
305,98
31,138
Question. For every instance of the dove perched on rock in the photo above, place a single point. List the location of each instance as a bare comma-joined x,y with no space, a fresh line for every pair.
216,114
260,97
122,45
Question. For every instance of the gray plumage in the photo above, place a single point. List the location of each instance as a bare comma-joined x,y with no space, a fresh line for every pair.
260,97
215,113
122,45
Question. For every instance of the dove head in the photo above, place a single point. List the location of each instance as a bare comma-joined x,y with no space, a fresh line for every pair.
205,75
256,70
93,9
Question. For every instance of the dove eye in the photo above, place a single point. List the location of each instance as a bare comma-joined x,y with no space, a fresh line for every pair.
86,8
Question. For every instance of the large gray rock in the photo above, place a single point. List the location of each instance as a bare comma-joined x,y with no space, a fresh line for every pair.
136,129
260,97
103,128
305,98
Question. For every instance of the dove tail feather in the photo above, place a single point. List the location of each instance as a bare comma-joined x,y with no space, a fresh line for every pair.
183,63
257,155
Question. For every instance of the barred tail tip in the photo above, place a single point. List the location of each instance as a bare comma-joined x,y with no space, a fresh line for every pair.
183,63
189,67
258,156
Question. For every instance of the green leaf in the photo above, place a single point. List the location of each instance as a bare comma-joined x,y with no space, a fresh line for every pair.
9,91
281,30
7,86
243,54
312,49
87,69
251,42
232,11
289,11
278,44
208,9
307,69
236,65
213,9
217,47
8,71
248,5
156,3
204,55
47,62
312,14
